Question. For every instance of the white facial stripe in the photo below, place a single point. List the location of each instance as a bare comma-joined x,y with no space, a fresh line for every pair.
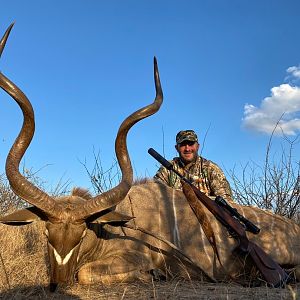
57,257
61,261
67,257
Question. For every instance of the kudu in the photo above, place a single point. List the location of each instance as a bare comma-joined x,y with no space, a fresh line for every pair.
71,245
148,230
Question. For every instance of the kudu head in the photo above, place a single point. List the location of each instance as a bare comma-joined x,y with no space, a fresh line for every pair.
70,242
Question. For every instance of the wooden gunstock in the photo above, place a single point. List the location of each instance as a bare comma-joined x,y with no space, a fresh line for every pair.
273,274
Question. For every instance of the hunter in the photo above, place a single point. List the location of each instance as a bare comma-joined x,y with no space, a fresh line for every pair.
204,174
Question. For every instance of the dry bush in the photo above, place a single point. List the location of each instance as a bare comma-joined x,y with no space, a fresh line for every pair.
102,180
275,185
9,201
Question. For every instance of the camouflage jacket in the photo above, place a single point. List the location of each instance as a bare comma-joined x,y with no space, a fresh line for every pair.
205,175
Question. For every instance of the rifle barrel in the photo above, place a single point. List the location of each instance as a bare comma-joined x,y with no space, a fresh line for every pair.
160,159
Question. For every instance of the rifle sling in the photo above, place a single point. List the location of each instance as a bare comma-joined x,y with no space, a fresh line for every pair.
198,210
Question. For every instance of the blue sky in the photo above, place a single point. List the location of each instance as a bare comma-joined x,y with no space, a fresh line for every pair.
228,68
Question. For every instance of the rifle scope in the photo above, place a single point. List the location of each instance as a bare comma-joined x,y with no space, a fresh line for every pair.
249,226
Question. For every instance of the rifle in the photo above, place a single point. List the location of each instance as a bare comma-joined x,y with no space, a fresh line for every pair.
237,225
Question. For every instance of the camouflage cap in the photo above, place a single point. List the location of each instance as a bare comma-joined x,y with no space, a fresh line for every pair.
186,135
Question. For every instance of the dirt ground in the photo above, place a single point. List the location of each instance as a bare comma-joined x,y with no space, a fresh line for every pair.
155,290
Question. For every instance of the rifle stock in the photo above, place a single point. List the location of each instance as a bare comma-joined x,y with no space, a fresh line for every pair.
273,274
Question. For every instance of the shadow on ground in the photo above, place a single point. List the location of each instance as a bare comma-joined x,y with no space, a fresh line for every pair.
36,292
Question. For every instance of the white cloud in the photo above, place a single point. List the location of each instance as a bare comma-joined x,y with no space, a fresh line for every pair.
283,105
294,72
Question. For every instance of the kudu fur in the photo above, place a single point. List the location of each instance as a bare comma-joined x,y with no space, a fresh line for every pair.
130,231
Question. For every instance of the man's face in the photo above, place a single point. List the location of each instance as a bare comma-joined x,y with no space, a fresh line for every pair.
188,151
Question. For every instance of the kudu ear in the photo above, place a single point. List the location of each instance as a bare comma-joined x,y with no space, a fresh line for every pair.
24,216
111,217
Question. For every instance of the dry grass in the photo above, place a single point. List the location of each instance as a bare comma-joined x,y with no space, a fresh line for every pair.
23,256
157,290
24,275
